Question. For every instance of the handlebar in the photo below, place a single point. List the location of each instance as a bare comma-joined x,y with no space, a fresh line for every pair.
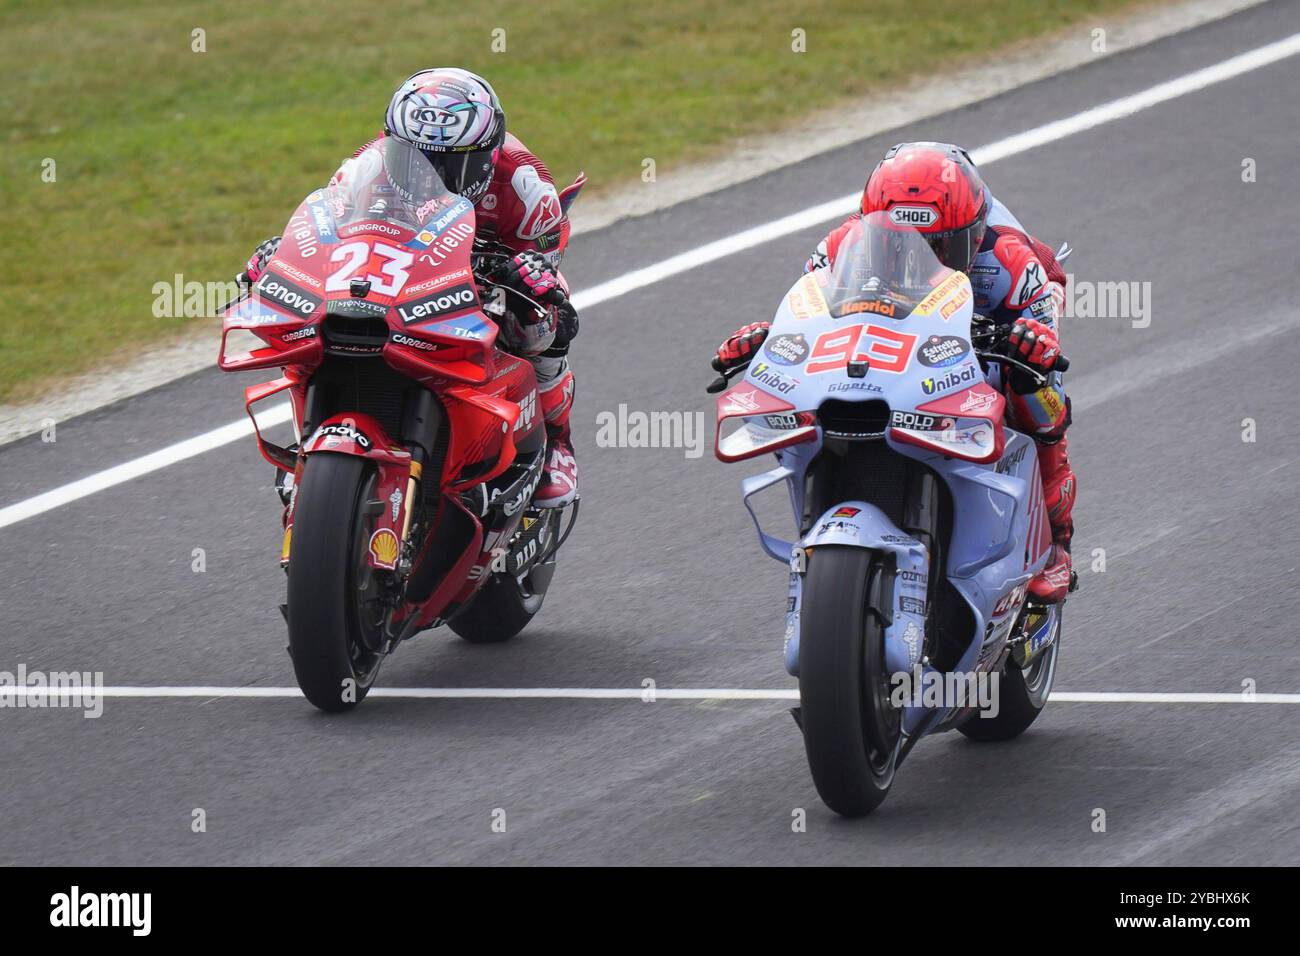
1062,364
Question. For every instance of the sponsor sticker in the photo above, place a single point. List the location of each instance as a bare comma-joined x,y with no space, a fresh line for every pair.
787,349
384,548
918,216
932,386
288,295
941,351
456,299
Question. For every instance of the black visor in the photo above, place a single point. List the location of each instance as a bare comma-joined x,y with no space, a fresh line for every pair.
467,173
957,249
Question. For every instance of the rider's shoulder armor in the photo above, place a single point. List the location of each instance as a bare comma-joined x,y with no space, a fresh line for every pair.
521,208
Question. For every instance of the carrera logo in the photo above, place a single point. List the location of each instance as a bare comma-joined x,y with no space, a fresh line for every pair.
409,342
457,299
293,297
913,216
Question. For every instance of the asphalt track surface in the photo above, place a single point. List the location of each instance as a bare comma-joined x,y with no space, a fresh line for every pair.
663,578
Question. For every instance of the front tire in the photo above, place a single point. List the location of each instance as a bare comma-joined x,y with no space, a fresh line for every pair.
851,731
333,637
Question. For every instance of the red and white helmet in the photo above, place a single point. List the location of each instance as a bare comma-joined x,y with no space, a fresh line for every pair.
935,189
454,120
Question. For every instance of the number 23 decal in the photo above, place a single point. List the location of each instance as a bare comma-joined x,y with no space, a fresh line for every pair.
883,349
356,256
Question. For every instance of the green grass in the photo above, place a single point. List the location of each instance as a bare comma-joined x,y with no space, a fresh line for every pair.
171,161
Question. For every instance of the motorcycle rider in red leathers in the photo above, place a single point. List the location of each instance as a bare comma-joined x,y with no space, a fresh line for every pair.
454,120
1017,283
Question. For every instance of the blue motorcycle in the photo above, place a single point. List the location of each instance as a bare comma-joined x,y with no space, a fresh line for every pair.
920,513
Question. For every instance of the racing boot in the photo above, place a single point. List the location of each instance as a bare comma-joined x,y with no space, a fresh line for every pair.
1058,578
559,484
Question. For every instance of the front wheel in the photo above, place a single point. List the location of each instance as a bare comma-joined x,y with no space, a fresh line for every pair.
335,614
851,730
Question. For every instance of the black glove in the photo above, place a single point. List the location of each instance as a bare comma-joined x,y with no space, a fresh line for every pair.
566,324
258,260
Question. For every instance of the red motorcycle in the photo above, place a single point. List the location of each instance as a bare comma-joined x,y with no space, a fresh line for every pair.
420,442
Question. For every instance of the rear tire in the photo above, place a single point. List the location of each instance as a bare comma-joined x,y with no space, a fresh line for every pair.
1022,695
501,609
851,731
326,565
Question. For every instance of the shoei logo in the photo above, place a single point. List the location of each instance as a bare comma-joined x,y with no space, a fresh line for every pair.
913,215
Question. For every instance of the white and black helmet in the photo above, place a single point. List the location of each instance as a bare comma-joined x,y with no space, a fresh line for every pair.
454,120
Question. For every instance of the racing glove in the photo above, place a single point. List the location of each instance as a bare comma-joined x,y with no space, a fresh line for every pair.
258,260
530,274
739,347
1037,346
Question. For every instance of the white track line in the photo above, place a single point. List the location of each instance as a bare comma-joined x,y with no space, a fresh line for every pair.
9,692
276,415
711,252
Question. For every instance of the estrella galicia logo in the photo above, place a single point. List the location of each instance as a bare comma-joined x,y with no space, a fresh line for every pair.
787,349
456,299
941,351
289,295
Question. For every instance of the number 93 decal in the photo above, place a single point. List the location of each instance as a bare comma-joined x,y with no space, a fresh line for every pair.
883,349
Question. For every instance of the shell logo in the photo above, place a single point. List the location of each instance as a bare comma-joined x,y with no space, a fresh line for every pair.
425,237
384,547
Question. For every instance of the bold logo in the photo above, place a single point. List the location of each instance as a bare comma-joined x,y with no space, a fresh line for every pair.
384,548
787,349
941,351
288,294
919,216
456,299
307,333
901,419
954,378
